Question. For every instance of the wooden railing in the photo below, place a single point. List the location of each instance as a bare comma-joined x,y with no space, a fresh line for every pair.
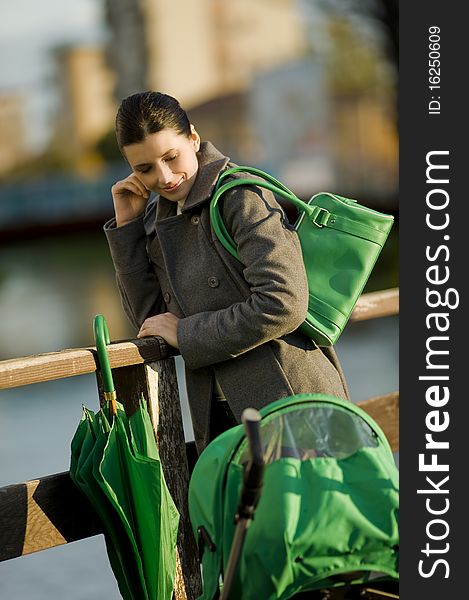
50,511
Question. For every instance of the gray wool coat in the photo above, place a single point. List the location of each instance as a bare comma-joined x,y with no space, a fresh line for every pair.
239,320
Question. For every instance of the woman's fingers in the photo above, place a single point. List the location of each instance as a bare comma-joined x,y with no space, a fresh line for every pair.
165,325
131,185
140,185
130,197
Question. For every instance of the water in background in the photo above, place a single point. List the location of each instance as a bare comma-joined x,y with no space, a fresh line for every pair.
49,294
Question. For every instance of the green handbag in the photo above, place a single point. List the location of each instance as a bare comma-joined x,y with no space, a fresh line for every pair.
340,240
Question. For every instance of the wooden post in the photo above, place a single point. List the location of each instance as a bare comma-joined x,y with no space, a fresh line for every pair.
172,448
158,383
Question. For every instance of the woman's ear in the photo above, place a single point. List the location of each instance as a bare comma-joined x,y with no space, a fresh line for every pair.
195,138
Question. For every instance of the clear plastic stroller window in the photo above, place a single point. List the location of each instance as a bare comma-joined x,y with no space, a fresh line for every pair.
312,432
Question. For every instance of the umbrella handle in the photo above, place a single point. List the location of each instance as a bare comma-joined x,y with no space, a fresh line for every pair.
101,336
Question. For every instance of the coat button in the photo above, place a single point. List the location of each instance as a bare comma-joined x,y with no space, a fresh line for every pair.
195,219
167,297
213,282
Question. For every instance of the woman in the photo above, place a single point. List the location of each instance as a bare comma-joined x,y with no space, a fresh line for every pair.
235,324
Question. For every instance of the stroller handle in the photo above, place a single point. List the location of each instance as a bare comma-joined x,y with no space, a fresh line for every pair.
253,474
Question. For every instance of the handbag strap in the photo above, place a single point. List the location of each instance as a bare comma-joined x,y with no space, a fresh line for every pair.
269,183
320,216
253,171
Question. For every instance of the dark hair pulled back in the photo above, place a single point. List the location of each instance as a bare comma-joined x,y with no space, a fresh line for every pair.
149,112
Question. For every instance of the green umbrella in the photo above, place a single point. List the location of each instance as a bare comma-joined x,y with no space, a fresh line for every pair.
115,463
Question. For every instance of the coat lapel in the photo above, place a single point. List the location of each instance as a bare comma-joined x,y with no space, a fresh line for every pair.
211,162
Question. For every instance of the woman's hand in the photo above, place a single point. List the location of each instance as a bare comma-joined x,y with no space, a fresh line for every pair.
164,325
130,197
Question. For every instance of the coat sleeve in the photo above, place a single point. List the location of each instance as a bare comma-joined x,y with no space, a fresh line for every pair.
275,273
137,282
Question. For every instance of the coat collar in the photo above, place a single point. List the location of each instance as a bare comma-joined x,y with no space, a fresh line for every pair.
211,162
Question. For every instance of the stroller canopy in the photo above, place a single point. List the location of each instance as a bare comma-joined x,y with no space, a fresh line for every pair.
329,504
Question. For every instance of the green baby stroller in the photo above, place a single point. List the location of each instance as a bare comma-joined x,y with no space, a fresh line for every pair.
327,518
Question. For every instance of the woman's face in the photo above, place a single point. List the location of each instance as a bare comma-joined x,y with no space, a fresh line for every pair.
166,162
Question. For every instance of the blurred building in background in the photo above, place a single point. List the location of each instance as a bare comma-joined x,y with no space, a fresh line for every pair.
285,85
306,99
291,117
197,51
13,143
86,108
279,123
127,47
